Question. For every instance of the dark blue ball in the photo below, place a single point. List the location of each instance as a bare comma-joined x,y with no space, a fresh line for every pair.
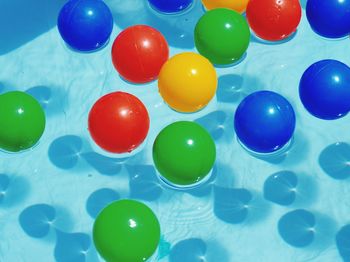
170,6
85,25
329,18
264,122
324,89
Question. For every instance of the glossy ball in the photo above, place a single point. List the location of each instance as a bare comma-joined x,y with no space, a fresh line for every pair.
118,122
222,36
85,25
187,82
324,89
184,153
126,230
237,5
264,122
170,7
277,21
329,18
139,52
22,121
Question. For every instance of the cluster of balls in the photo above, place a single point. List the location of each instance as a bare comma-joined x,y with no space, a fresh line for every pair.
184,152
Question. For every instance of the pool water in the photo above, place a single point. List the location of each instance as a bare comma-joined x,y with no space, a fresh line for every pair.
293,207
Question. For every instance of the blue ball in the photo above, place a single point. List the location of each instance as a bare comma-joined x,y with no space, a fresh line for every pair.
170,6
85,25
264,122
329,18
324,89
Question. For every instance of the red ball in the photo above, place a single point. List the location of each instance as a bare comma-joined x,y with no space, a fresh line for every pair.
273,20
118,122
139,52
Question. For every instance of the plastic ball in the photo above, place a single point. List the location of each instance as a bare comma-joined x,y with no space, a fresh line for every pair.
187,82
118,122
277,21
264,122
139,52
85,25
126,230
184,153
324,89
237,5
329,18
170,7
222,36
22,121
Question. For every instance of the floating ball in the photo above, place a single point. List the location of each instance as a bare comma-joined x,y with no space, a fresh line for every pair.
184,153
139,52
237,5
187,82
85,25
126,230
170,7
324,89
222,36
22,121
118,122
329,18
264,122
273,20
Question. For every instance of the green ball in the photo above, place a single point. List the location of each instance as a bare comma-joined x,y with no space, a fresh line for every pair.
184,153
127,231
222,35
22,121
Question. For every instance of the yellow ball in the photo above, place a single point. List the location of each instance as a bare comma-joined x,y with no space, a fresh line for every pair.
187,82
237,5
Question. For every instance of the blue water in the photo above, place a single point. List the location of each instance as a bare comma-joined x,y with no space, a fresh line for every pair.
291,208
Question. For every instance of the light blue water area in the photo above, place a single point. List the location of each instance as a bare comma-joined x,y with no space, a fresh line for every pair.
294,208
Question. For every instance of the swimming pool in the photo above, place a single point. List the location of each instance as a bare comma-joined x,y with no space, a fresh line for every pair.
51,195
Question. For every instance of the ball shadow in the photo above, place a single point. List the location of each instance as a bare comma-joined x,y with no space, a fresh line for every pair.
296,228
342,240
325,231
231,205
307,191
213,123
143,182
335,160
65,151
71,246
280,188
104,165
99,199
188,250
36,220
13,190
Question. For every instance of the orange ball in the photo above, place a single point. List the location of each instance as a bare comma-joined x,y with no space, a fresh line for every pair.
187,82
237,5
